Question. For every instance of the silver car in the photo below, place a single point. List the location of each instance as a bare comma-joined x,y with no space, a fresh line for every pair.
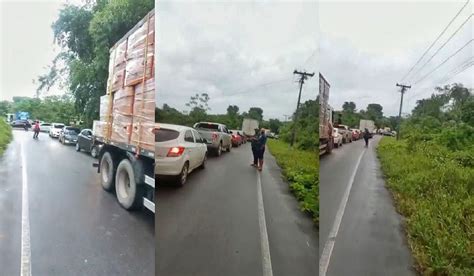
178,151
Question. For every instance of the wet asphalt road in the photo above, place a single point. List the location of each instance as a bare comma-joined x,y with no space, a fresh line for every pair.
76,227
211,226
370,240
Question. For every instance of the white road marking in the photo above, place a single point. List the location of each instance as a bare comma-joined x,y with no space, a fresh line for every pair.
25,221
265,247
329,245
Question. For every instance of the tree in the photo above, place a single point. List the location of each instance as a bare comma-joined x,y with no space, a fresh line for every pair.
85,34
4,108
349,107
274,125
255,113
199,101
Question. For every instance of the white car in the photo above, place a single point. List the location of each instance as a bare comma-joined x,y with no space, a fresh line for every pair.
45,127
337,135
55,130
178,151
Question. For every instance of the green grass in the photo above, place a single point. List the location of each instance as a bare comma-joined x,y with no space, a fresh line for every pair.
301,169
433,188
5,135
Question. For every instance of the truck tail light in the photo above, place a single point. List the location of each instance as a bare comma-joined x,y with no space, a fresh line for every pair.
214,136
175,152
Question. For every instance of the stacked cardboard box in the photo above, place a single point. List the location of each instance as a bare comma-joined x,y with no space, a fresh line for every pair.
132,86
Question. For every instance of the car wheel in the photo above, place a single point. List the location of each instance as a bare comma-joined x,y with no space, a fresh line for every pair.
107,172
94,151
78,148
129,194
183,176
219,150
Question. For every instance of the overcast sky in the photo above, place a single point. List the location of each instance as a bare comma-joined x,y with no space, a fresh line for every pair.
367,47
26,45
231,50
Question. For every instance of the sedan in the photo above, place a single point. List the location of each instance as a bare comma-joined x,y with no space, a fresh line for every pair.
55,130
45,127
236,138
69,135
21,123
85,141
179,151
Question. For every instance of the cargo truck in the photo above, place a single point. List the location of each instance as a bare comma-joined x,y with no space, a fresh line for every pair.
367,124
126,129
326,139
249,126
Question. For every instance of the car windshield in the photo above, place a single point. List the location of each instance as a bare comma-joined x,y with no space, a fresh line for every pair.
207,126
45,124
164,135
58,126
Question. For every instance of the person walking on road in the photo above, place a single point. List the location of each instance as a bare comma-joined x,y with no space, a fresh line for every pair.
36,129
366,137
254,144
262,140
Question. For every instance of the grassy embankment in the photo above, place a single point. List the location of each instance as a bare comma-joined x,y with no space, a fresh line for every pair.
5,135
300,168
433,188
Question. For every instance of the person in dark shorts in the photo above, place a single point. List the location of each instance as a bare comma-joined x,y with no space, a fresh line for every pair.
262,140
36,129
254,144
366,137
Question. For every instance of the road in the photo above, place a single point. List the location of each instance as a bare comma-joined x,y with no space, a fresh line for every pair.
368,238
212,226
75,228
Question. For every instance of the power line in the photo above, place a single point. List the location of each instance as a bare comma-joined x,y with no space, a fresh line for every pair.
250,89
456,71
444,44
436,68
432,44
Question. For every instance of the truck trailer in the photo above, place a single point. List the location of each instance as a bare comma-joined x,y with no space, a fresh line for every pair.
126,129
326,140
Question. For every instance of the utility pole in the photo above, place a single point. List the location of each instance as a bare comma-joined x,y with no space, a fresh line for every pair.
404,88
303,76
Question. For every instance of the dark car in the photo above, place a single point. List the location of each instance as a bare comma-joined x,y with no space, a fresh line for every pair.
20,123
69,135
85,141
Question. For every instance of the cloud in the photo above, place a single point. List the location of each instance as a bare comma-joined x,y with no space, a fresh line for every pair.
364,60
239,53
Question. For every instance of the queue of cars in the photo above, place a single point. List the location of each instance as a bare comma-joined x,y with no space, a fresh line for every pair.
181,149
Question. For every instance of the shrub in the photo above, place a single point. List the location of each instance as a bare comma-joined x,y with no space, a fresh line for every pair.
5,135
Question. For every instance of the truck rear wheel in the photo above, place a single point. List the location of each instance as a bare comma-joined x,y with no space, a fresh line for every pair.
129,194
107,172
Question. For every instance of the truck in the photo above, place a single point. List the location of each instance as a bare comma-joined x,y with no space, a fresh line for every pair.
217,136
126,128
249,126
326,139
367,124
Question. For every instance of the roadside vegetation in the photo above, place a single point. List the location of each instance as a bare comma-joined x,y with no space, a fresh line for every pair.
5,136
301,170
430,172
52,109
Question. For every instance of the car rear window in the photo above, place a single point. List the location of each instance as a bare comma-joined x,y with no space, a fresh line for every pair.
45,124
73,130
208,126
58,126
164,134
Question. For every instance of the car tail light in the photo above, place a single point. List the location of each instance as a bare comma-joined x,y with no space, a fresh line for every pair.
214,136
175,152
